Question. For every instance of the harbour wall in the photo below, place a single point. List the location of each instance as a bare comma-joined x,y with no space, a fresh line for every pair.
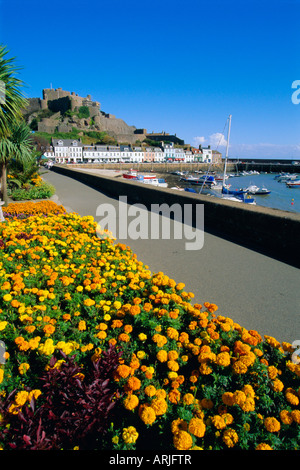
269,231
268,167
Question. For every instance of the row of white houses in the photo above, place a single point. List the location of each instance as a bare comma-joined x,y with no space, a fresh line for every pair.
73,151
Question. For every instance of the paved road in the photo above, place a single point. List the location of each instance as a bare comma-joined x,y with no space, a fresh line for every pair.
254,290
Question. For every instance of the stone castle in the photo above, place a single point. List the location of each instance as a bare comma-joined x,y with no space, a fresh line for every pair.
51,114
58,101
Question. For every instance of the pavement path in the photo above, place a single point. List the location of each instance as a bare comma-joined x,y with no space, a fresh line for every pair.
256,291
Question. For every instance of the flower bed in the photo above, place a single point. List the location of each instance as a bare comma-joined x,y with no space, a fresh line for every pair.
96,342
23,210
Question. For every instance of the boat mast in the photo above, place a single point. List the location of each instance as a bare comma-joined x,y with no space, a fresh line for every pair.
227,146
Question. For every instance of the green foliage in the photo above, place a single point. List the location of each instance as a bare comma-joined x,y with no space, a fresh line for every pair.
10,88
43,191
83,112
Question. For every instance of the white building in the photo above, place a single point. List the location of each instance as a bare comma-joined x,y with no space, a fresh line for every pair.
67,151
207,154
172,154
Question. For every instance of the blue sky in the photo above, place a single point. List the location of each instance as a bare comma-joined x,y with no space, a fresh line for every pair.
178,66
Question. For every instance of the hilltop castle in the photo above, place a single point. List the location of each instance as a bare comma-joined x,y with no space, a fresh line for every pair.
59,110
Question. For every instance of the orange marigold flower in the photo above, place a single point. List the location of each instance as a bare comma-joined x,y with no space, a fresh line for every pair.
206,403
124,337
49,329
159,405
150,390
147,414
182,440
223,359
162,355
131,402
135,310
230,437
286,417
218,421
179,425
123,371
197,427
228,398
133,383
174,396
172,333
296,416
272,424
263,446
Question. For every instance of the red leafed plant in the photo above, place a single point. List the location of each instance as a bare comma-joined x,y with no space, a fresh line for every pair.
74,409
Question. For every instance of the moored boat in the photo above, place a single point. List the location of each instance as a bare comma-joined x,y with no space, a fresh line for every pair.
131,174
293,184
255,190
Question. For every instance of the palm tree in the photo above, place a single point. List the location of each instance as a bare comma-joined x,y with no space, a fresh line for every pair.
16,146
12,101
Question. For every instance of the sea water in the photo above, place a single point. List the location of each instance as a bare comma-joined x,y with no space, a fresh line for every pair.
281,196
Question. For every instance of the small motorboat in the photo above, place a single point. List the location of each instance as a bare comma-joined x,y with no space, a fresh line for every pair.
293,184
253,189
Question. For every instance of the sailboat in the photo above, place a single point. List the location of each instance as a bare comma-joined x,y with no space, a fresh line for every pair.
238,195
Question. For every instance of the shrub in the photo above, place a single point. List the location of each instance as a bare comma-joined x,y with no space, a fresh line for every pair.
74,407
42,191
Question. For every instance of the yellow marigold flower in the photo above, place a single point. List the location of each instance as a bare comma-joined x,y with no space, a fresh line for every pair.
182,440
3,325
7,298
21,398
23,368
142,337
230,437
130,435
263,446
34,394
197,427
272,424
131,402
147,414
81,325
1,379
